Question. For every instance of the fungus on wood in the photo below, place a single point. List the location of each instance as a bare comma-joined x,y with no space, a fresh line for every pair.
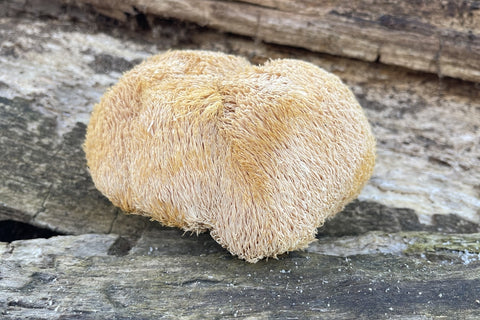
258,155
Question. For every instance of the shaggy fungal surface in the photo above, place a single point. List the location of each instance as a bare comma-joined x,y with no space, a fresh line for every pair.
258,155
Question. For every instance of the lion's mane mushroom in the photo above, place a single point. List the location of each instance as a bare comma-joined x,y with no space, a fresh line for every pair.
258,155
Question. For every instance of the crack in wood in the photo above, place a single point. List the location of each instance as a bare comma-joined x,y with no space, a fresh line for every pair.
43,204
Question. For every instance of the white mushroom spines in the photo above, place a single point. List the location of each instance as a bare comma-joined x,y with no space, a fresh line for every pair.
258,155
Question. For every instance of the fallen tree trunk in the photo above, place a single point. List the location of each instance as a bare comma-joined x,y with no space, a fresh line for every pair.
72,277
426,36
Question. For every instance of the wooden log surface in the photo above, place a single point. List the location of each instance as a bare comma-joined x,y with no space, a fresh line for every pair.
408,248
65,280
442,37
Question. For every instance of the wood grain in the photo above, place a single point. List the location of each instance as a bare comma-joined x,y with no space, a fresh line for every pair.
441,37
60,283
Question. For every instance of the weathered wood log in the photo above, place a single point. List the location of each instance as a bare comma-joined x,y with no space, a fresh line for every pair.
426,36
78,277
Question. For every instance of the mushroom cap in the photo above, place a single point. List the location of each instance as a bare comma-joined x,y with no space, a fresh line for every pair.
258,155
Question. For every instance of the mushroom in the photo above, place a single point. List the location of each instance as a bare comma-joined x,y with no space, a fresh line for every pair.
258,155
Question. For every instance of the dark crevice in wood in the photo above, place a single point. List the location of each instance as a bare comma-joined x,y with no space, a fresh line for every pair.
11,230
